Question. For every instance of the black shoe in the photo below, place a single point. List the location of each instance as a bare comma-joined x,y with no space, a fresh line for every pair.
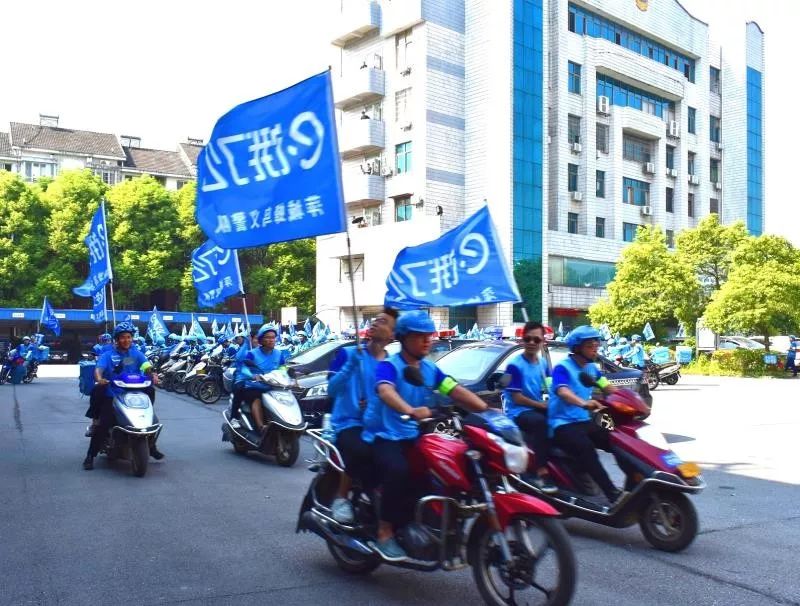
156,453
88,463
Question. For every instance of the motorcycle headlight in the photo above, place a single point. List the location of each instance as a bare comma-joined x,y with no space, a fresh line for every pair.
516,457
318,391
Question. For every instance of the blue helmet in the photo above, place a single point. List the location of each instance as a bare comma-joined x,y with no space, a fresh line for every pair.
105,338
123,327
222,339
636,338
623,341
581,334
414,321
265,329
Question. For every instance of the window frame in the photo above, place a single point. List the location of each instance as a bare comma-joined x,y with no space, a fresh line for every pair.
403,151
574,74
599,227
403,202
572,223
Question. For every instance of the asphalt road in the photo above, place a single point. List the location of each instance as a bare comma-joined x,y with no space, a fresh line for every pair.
206,526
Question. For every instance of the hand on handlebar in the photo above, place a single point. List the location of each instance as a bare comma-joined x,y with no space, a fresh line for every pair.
423,412
593,405
103,382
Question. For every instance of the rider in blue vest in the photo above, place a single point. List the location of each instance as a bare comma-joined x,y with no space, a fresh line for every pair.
571,404
350,388
390,434
636,352
24,348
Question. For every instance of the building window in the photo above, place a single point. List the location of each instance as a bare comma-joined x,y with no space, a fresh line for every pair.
581,273
572,223
691,163
635,192
670,239
713,170
600,176
358,269
574,78
402,154
7,167
713,206
629,231
670,157
690,205
670,200
602,138
713,81
403,50
403,209
755,158
572,177
714,129
625,95
574,129
374,111
600,227
638,150
402,98
692,120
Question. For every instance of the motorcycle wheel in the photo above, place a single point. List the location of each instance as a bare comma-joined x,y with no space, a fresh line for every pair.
671,380
191,386
239,447
544,570
168,382
352,561
652,380
208,391
287,448
140,456
669,521
178,383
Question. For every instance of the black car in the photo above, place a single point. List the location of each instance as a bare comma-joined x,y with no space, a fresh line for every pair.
478,366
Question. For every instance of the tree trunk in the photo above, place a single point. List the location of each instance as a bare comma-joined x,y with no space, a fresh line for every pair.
766,339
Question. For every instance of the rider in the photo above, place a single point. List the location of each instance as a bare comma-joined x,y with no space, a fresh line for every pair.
571,403
349,388
254,363
523,401
25,347
391,435
623,347
122,358
228,350
636,352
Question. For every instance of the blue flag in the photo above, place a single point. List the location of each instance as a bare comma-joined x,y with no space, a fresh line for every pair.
464,266
215,273
48,318
196,330
647,331
307,327
99,259
271,171
99,313
156,328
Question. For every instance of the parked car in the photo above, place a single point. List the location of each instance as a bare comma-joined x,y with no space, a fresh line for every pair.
58,356
732,342
316,359
777,344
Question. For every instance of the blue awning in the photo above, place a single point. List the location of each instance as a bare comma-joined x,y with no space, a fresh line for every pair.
139,317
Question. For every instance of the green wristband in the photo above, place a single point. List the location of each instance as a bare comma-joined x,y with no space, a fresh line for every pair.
602,383
446,386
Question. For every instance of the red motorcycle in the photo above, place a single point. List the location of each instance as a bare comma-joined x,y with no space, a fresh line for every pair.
657,480
466,514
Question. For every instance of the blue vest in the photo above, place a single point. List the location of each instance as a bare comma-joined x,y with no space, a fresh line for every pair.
383,421
560,412
533,384
261,363
348,394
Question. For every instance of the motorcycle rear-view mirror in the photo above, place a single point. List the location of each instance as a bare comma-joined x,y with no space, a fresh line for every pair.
413,375
587,380
498,380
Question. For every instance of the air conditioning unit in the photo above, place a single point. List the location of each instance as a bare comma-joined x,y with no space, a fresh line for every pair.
673,130
603,105
406,125
386,172
647,211
717,185
576,148
694,179
406,71
672,172
650,168
577,196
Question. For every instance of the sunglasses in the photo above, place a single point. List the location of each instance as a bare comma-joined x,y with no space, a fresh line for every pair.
536,340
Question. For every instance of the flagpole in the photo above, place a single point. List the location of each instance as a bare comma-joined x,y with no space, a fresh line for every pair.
113,309
108,262
39,321
352,285
244,307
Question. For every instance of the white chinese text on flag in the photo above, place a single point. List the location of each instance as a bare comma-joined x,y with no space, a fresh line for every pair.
99,259
215,273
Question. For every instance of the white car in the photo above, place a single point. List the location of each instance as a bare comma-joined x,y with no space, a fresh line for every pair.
739,343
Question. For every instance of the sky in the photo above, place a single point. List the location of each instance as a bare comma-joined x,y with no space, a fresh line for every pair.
166,70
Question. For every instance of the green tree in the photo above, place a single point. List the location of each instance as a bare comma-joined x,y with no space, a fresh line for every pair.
651,285
760,295
283,275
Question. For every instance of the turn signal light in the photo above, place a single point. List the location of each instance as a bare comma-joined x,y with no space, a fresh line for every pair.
689,470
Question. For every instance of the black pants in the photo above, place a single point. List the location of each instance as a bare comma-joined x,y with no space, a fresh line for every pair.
397,500
581,441
358,457
533,424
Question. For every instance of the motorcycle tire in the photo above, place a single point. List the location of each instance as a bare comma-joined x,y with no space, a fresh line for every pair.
239,447
178,382
652,380
191,386
287,448
169,382
208,391
671,380
351,561
140,456
669,521
494,584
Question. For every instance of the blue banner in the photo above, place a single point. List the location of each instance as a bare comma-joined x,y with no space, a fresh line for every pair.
271,171
99,313
156,329
648,333
99,259
48,318
465,266
196,330
215,273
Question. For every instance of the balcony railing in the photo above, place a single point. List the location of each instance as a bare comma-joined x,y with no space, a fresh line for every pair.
361,86
361,137
362,188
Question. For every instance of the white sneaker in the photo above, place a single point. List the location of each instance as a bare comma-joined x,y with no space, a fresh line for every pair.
342,511
235,424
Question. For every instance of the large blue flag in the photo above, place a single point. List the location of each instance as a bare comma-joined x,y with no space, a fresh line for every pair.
156,329
271,171
215,273
99,313
464,266
99,259
48,318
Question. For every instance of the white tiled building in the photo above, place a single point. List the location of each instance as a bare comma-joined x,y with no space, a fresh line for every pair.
575,121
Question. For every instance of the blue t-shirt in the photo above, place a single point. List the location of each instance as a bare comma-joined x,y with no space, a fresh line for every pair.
383,421
567,374
526,377
115,362
101,348
636,355
258,362
351,386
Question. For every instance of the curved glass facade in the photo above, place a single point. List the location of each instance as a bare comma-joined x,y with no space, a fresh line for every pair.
580,273
755,155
